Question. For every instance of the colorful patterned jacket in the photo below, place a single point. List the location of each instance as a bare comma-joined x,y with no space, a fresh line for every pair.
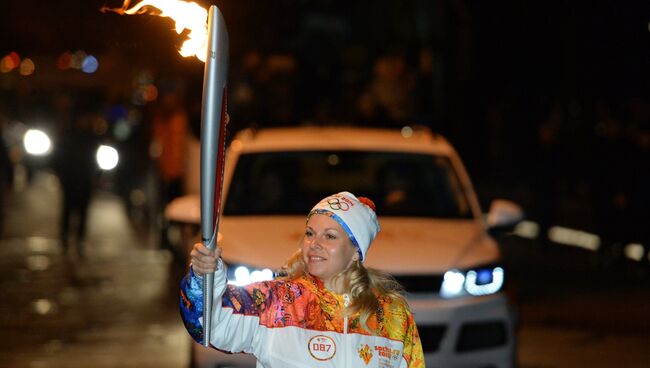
299,323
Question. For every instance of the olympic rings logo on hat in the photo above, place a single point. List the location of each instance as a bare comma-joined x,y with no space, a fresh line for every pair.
336,204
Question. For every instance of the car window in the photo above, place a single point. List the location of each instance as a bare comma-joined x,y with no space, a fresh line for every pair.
400,184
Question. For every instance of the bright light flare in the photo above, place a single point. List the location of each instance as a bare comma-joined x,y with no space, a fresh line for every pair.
36,142
634,251
244,276
186,15
452,284
107,157
576,238
477,288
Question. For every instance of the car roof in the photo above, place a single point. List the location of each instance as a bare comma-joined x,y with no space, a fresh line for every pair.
407,139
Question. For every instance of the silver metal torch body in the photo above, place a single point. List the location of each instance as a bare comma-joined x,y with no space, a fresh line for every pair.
212,146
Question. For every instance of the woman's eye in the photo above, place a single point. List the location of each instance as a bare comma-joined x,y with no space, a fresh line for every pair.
330,236
308,233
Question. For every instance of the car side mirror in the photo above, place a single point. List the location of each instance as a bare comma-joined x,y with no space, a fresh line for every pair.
184,209
504,215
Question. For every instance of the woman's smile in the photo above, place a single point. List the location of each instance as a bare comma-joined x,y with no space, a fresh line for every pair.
326,248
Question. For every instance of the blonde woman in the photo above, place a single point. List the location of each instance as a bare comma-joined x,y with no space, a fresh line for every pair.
328,311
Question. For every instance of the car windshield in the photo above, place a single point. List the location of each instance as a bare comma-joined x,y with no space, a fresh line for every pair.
400,184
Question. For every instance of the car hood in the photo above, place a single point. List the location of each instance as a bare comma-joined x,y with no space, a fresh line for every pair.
404,246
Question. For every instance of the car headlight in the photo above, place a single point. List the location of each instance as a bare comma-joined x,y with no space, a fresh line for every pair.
107,157
475,282
37,142
239,275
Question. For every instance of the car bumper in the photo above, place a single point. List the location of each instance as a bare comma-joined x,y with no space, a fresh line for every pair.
465,332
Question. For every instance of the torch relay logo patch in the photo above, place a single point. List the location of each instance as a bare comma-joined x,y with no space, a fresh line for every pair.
322,347
365,353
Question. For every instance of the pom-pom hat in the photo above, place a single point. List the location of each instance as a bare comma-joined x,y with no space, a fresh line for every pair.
355,215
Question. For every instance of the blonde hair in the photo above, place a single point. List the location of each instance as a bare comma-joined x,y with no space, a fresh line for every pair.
366,286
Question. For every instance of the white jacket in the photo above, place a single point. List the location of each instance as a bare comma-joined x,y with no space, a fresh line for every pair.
300,324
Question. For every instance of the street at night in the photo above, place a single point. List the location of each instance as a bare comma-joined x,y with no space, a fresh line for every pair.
115,307
504,146
118,306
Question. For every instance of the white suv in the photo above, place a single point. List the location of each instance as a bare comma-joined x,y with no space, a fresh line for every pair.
433,237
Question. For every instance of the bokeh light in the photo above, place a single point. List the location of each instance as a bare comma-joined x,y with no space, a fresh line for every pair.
407,132
89,64
43,306
634,251
10,62
100,126
145,90
27,67
64,61
78,58
5,65
15,58
150,93
122,130
107,157
36,142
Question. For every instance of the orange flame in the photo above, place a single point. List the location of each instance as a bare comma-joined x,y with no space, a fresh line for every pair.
186,15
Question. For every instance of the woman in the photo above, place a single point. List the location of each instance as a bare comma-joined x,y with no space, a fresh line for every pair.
329,311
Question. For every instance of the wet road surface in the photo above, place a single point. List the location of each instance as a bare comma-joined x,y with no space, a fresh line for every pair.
578,309
114,308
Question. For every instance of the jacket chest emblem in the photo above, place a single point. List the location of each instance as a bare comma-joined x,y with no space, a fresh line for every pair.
322,347
365,353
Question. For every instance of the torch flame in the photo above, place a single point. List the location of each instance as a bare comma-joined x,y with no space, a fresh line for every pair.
186,15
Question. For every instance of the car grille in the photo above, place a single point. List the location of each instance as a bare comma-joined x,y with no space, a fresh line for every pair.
481,335
472,336
431,336
421,284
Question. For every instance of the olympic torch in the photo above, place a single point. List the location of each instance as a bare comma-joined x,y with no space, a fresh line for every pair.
213,131
214,51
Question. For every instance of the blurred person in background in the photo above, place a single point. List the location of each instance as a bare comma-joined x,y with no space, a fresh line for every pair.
637,121
387,100
170,127
549,169
172,144
245,100
6,174
422,92
329,306
75,165
611,182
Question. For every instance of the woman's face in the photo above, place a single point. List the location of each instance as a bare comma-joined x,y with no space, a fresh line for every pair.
326,249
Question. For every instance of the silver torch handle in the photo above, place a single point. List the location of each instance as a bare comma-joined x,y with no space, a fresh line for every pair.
213,121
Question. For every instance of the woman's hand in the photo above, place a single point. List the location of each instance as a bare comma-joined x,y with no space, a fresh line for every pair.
204,260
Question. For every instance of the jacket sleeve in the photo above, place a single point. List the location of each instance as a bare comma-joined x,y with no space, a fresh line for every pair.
235,313
191,305
413,355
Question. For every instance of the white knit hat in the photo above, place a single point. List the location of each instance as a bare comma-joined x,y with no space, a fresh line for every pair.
355,215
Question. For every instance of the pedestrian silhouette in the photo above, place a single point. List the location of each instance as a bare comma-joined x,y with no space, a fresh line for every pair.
74,163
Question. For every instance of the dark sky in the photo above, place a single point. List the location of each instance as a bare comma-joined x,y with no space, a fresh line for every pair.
601,27
536,37
553,48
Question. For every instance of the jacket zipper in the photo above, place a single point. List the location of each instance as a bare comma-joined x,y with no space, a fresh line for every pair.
346,303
